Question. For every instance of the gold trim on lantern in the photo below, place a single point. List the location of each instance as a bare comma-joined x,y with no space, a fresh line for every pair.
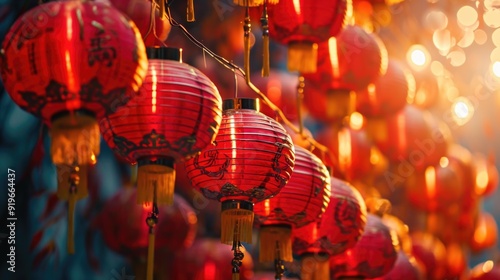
302,57
275,243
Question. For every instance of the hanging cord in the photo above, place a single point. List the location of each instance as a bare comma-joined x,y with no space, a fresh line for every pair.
152,221
233,67
74,181
279,266
238,254
264,23
300,97
247,27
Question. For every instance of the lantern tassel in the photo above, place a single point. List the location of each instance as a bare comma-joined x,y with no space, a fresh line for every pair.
236,216
157,177
377,129
264,21
246,60
190,11
302,57
75,138
152,221
238,254
315,267
272,236
340,103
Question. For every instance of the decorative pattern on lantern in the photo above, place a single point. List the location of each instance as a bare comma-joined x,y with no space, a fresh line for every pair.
373,255
302,201
351,61
80,61
176,115
303,24
387,95
251,160
339,229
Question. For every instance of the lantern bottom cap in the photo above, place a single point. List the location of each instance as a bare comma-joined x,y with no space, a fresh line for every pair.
155,184
275,243
75,139
236,221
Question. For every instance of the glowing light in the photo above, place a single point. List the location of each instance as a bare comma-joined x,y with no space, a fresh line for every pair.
495,55
297,8
467,39
334,58
356,121
345,149
495,37
154,80
462,110
480,37
418,57
437,68
492,18
375,156
496,68
481,232
267,207
457,57
436,20
482,177
467,16
430,181
93,159
443,162
443,40
487,266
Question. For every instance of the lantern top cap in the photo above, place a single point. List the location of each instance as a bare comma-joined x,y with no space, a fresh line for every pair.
165,53
242,103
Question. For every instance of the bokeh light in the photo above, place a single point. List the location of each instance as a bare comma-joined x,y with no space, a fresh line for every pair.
436,20
492,18
462,110
457,57
480,36
467,16
418,57
496,68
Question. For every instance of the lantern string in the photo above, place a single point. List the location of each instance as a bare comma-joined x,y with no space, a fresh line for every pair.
151,221
233,67
74,181
238,254
151,20
300,96
279,267
247,26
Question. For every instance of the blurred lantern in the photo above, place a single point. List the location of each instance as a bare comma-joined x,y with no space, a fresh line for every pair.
485,233
302,201
351,150
456,261
301,141
338,230
408,139
149,19
405,267
351,61
123,229
486,175
426,92
387,95
373,255
400,231
436,188
485,271
251,160
207,259
70,63
176,115
303,24
431,252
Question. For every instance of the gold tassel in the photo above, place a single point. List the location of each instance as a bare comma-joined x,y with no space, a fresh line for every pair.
151,255
322,270
302,57
155,175
75,139
190,11
246,59
376,129
315,267
273,236
229,219
248,3
340,104
265,42
71,223
236,276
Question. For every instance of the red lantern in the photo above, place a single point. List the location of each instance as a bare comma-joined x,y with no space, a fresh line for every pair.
485,271
486,175
302,24
350,61
207,259
388,94
485,233
302,201
176,115
123,229
431,252
338,230
351,149
250,161
405,267
70,63
373,255
426,91
154,28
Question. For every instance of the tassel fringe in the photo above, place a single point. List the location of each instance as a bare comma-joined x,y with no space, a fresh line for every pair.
149,176
229,219
302,57
190,11
269,237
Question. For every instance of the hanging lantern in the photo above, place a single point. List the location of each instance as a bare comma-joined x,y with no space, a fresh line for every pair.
487,270
302,25
386,95
405,267
400,231
250,161
431,252
350,62
302,201
485,233
207,259
338,230
373,255
154,26
70,63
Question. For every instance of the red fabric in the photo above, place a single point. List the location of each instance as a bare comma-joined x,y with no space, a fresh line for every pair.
373,255
340,226
358,59
387,95
431,252
176,114
122,223
304,198
316,22
56,61
251,159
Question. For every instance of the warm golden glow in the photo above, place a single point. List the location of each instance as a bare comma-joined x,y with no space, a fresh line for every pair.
467,16
356,121
492,18
234,152
436,20
418,57
154,80
457,57
297,8
374,156
462,110
495,37
487,266
443,162
274,91
480,36
93,159
496,68
430,181
481,231
495,55
482,177
345,152
267,207
437,68
334,57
